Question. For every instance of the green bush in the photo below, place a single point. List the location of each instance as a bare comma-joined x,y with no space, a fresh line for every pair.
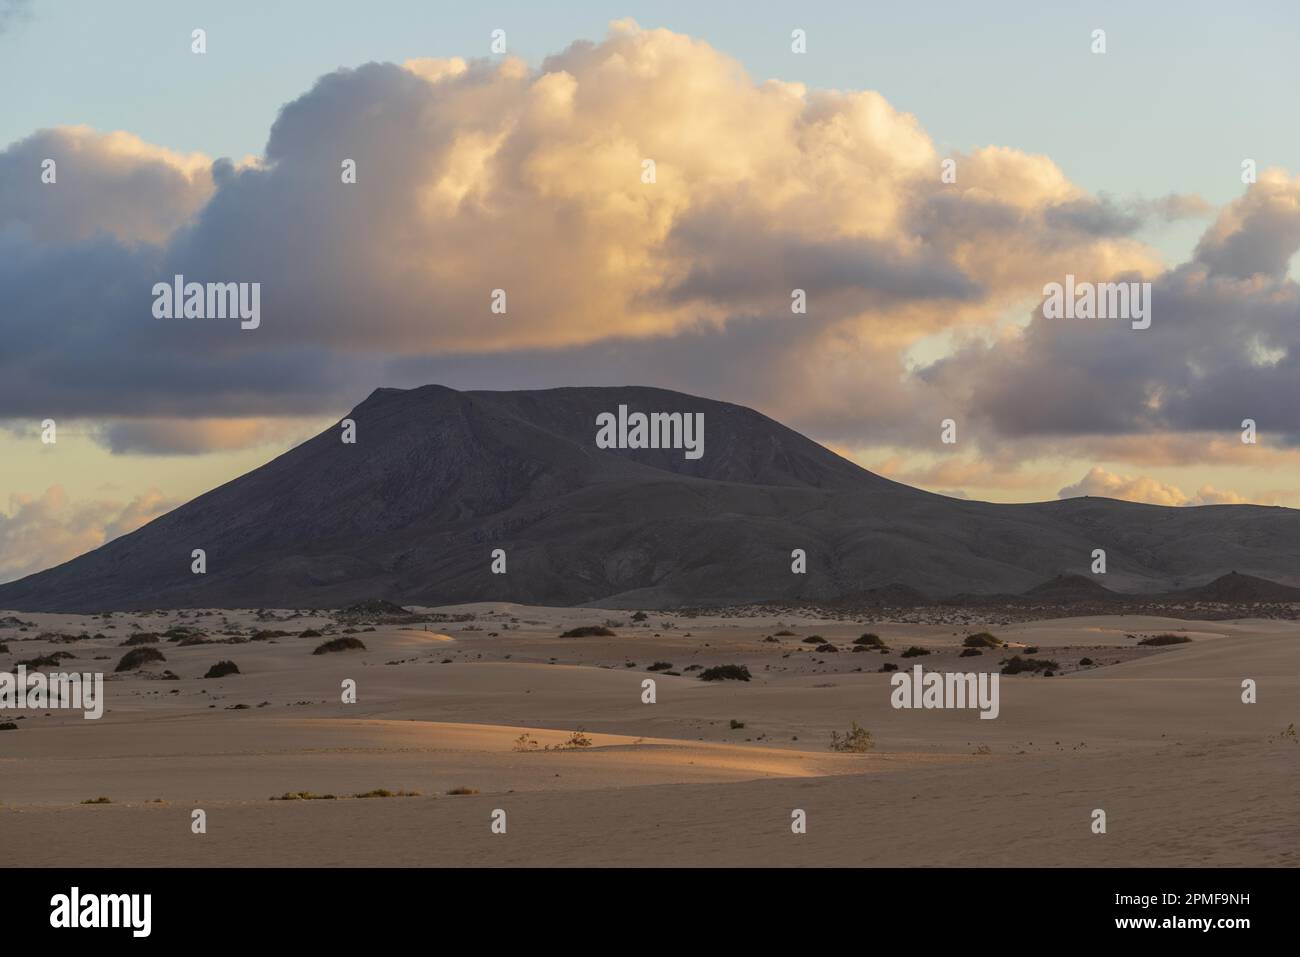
1015,665
857,740
134,659
340,644
725,673
1159,641
221,669
588,631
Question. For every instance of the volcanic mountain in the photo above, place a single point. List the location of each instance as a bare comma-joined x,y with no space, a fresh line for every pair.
438,479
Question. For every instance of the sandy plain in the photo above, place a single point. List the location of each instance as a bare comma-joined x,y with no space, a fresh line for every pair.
1158,738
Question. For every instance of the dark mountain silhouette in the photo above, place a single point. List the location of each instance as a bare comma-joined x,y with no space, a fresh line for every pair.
1235,588
438,479
1065,588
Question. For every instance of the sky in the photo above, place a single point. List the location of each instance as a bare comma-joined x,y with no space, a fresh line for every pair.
775,170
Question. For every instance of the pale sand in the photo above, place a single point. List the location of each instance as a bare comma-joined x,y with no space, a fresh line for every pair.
1158,738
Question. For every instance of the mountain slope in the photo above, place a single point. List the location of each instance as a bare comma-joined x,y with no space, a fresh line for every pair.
438,479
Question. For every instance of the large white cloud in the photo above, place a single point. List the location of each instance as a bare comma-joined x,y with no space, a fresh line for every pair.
474,176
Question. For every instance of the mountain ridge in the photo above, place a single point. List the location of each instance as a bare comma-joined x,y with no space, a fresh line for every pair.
438,478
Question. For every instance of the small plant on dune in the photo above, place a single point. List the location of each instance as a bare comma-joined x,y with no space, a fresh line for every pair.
736,725
660,666
576,740
98,800
783,633
725,673
1085,661
525,742
221,669
385,793
1159,641
870,640
826,648
340,644
138,657
8,726
640,616
915,652
309,633
889,666
588,631
813,640
1015,665
303,796
463,790
142,638
981,639
857,740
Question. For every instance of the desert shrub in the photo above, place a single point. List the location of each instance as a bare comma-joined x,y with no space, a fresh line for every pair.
889,666
221,669
856,740
1015,665
1166,639
385,793
141,638
640,616
783,633
736,725
98,800
814,640
138,657
264,635
725,673
1085,661
190,641
578,739
660,666
915,652
981,639
463,790
4,649
1031,649
8,726
309,633
304,796
43,661
340,644
826,648
588,631
525,742
970,653
869,639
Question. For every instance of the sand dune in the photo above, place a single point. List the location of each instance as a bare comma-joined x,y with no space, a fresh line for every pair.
1159,738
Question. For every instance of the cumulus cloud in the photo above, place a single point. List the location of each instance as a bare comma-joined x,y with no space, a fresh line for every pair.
44,530
474,176
1141,488
104,184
